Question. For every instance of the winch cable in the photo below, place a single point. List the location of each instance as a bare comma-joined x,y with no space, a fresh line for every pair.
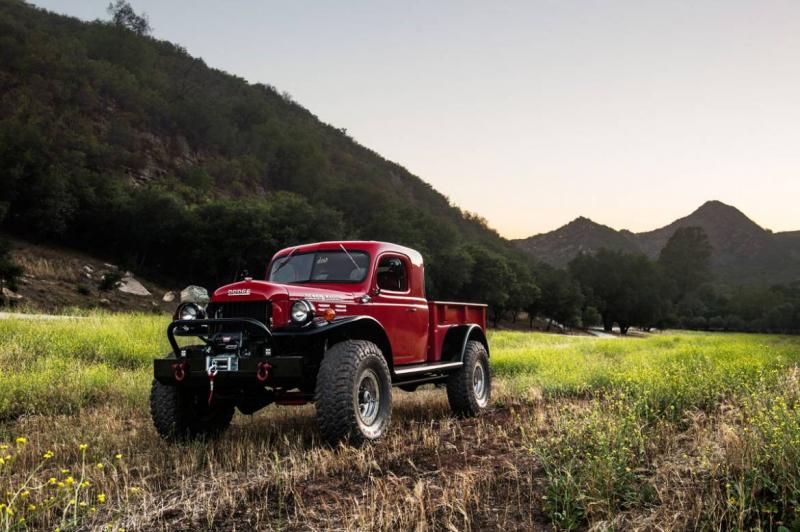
212,374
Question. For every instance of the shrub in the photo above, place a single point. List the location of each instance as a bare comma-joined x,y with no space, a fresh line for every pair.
9,272
110,281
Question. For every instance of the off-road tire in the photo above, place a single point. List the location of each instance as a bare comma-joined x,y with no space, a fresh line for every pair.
464,400
183,413
344,369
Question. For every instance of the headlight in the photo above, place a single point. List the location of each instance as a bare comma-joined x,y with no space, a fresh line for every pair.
301,311
189,311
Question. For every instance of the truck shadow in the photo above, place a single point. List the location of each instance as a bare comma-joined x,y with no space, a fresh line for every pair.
298,424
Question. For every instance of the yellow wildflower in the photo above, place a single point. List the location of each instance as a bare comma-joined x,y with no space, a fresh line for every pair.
99,465
22,440
118,456
64,471
83,446
83,504
101,498
25,494
31,507
60,484
48,455
70,481
85,484
51,480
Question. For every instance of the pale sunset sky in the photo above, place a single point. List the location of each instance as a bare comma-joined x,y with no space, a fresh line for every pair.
532,113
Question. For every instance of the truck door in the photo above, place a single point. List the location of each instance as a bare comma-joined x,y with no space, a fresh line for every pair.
401,309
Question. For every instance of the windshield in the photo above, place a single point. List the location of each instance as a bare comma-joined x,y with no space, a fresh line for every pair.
333,266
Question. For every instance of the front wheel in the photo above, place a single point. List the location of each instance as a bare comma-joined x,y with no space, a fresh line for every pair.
183,413
354,393
469,389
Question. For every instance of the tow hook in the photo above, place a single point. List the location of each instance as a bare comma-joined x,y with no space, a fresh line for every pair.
179,371
262,373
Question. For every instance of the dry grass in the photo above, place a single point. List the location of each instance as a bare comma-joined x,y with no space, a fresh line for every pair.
270,472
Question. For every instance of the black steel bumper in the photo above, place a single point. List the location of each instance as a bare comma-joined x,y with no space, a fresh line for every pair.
280,369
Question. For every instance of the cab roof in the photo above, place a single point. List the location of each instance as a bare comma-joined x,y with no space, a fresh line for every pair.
372,247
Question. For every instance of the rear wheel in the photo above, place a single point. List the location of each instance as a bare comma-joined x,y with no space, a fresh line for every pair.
183,413
469,389
354,393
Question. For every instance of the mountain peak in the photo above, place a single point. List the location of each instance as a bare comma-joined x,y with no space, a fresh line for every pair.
714,213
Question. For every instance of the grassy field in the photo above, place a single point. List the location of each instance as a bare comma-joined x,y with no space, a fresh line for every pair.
677,431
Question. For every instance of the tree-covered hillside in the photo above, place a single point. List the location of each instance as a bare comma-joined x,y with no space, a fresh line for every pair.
117,143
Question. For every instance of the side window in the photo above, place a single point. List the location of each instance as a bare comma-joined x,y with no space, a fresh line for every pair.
392,275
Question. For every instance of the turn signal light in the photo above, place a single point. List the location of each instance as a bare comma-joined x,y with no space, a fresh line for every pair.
329,314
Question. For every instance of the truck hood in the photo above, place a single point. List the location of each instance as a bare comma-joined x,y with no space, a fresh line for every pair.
255,290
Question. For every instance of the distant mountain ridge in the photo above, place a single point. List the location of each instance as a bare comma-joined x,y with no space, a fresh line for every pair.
743,252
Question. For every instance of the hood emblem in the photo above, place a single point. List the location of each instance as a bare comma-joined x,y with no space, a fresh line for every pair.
239,292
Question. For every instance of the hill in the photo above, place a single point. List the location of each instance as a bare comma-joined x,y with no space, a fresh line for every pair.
124,146
743,252
57,279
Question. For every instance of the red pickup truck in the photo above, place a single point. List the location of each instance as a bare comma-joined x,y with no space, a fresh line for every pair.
336,323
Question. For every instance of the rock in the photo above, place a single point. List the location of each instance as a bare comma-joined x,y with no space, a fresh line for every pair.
194,294
130,285
110,266
88,269
169,297
9,296
105,302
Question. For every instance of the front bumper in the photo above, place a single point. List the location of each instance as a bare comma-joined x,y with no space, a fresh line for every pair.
282,370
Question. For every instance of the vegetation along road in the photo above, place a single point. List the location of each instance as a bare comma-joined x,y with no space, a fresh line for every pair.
676,430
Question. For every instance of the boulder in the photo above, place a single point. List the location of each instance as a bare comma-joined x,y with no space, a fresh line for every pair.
194,294
130,285
169,297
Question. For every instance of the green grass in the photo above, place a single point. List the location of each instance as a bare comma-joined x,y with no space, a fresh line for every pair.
60,366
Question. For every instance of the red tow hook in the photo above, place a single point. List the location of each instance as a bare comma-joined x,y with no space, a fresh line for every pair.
179,371
262,373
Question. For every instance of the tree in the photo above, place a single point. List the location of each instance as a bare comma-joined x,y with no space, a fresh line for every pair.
123,15
686,259
624,288
561,299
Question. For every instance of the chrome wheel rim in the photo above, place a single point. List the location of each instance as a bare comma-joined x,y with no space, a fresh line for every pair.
479,386
368,397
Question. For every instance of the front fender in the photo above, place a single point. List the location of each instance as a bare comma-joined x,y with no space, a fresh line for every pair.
348,328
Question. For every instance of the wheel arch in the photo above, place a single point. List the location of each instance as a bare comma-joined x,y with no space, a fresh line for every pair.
361,328
456,339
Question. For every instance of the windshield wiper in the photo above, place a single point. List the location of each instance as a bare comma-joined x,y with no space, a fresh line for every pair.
349,256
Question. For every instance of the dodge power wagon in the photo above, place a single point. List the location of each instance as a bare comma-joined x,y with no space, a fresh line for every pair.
334,323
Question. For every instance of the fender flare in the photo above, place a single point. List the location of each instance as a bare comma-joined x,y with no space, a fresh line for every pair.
457,337
351,327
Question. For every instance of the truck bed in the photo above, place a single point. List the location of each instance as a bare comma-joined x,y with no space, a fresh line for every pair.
446,314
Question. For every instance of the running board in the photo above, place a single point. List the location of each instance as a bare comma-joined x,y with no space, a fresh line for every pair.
426,368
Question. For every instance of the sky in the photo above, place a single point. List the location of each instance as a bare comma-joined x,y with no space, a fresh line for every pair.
532,113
